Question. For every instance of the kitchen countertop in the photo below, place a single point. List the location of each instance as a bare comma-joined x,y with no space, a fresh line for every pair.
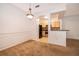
60,30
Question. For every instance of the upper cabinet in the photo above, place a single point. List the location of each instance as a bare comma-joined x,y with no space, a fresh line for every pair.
56,20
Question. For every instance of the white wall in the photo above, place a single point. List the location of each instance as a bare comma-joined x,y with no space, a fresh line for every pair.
15,27
71,23
71,20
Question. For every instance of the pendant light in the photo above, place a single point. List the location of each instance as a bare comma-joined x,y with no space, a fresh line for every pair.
30,15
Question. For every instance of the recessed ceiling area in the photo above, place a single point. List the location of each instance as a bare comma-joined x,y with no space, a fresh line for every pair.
71,8
42,7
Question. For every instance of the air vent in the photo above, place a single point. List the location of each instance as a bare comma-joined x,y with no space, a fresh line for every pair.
37,6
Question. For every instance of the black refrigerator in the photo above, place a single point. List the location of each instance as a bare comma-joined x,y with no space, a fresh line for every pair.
40,31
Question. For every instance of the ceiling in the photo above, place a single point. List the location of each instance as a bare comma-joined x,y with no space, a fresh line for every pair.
42,8
71,8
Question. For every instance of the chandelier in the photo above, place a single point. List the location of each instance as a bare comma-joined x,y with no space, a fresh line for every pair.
30,15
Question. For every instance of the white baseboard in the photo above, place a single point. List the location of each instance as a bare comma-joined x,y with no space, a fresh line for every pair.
11,45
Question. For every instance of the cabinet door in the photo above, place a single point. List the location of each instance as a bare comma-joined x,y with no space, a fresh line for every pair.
57,37
61,38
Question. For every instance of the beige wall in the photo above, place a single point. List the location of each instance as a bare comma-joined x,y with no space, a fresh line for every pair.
71,23
15,28
43,22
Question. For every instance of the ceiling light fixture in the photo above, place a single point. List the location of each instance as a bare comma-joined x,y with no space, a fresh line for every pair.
45,17
30,15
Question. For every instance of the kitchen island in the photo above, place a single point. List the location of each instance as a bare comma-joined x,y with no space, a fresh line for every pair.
57,37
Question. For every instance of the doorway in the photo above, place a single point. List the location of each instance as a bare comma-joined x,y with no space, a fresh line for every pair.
43,29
